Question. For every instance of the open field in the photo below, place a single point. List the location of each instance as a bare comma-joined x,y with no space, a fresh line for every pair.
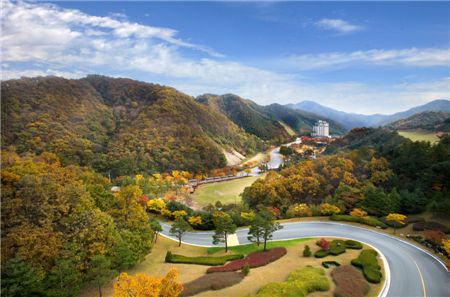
225,192
420,135
154,265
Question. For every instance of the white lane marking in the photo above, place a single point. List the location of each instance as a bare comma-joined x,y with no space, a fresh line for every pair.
232,240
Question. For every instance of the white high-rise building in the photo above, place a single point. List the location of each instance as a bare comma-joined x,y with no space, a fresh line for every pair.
321,129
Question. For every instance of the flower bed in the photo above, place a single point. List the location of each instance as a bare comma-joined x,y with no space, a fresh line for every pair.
349,282
214,281
211,261
255,259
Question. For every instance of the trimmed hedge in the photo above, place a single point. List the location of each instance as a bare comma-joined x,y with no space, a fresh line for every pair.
338,247
421,226
255,259
368,262
328,264
352,244
349,282
300,283
210,261
215,281
370,221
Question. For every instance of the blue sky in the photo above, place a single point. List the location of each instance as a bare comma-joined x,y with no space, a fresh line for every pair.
361,57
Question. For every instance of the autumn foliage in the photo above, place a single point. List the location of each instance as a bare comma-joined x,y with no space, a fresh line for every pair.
142,285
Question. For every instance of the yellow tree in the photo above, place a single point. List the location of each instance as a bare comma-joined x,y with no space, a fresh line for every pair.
446,246
169,284
357,212
396,217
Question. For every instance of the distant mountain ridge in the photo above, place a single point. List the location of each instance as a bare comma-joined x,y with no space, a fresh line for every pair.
353,120
266,122
433,121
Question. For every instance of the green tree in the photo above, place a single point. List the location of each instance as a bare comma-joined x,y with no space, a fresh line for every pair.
179,228
100,272
269,226
155,226
20,279
255,232
224,226
64,279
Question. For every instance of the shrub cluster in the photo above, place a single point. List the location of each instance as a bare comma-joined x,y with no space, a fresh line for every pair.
370,221
368,262
300,283
421,226
352,244
393,224
349,282
213,281
255,259
328,264
211,261
336,247
306,251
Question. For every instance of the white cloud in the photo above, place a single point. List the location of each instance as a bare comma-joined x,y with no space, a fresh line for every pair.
409,57
337,25
42,39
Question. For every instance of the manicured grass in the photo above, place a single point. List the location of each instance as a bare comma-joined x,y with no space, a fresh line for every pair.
225,192
368,262
299,283
210,261
252,247
420,136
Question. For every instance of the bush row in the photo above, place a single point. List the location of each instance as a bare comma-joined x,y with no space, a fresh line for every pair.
368,262
421,226
370,221
349,282
255,259
211,261
300,283
213,281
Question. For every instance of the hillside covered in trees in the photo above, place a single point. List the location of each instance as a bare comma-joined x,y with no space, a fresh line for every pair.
434,121
273,121
373,169
118,125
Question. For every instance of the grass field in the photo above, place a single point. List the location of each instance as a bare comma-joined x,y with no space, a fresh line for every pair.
420,136
225,192
252,247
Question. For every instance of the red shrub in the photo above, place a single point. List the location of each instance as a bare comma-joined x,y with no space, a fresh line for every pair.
255,259
215,281
143,200
349,282
435,236
324,244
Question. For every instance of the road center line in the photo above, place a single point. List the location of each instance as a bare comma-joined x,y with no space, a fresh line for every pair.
421,278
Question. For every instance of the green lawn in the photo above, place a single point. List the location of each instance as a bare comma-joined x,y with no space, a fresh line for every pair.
248,248
420,136
225,192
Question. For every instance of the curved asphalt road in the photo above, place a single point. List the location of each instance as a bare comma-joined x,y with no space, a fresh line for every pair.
413,271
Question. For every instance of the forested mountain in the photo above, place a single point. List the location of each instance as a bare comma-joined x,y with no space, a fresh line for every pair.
243,113
428,120
352,120
266,121
117,125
